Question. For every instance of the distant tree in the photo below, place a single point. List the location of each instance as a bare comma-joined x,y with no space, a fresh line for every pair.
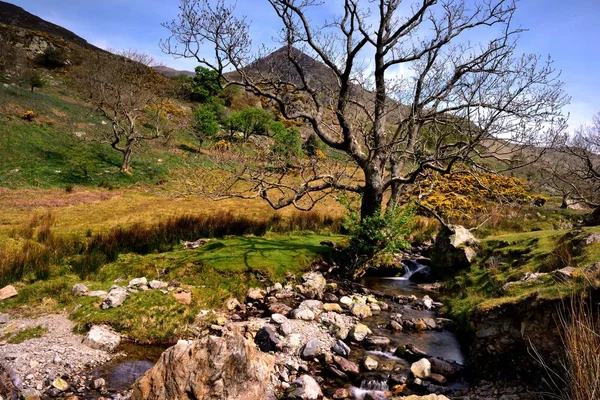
181,86
51,58
287,143
130,95
206,124
205,85
250,121
34,79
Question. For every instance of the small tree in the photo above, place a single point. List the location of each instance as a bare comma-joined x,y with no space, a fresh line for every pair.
287,143
34,79
206,124
250,121
130,94
205,85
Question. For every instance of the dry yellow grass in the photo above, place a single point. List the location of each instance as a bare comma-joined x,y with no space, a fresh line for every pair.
99,209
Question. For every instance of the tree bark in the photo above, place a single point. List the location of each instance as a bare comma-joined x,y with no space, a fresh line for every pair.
372,196
126,165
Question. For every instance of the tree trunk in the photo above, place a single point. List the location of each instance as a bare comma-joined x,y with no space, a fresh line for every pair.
395,188
126,166
372,196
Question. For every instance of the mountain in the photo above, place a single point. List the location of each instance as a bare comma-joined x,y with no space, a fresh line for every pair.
169,72
13,15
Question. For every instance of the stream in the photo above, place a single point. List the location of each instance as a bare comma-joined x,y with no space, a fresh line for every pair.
121,373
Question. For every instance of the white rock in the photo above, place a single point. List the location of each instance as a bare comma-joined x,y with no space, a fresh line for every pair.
138,282
421,369
154,284
102,338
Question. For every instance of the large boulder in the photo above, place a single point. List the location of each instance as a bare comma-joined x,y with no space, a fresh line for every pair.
225,367
115,298
102,338
455,248
313,285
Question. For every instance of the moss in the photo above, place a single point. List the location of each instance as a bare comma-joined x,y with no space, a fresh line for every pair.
22,335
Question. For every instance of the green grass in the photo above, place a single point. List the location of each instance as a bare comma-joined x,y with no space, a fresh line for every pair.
481,286
16,337
213,273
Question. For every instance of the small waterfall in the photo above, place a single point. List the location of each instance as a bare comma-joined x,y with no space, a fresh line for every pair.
374,383
410,267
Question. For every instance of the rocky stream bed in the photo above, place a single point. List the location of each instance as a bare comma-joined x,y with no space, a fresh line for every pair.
320,339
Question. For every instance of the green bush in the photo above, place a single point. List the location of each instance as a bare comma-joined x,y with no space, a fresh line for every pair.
250,121
206,124
377,236
205,85
287,144
51,58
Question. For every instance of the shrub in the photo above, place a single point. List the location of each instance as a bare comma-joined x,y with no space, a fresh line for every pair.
287,142
206,125
51,58
250,121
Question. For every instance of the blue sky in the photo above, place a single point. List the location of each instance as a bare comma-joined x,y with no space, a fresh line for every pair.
567,30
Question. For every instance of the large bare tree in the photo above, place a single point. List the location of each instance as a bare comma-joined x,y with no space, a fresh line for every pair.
463,86
129,94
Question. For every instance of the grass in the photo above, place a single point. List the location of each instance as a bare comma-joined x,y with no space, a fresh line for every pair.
482,287
16,337
221,269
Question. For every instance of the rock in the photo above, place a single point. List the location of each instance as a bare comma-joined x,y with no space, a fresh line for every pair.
430,323
379,342
346,301
102,338
154,284
340,348
313,284
565,273
303,313
421,369
60,384
420,325
286,328
31,394
116,297
255,294
280,308
266,339
138,283
427,302
330,298
4,318
225,367
360,310
359,332
7,292
370,364
345,365
437,378
79,289
452,250
279,319
333,307
97,293
443,367
314,305
428,397
395,326
311,349
304,388
98,384
183,297
341,393
196,244
232,304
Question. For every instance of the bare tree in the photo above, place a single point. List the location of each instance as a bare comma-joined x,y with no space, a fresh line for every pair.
129,94
456,97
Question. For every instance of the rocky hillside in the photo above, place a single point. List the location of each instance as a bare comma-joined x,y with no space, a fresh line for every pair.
15,16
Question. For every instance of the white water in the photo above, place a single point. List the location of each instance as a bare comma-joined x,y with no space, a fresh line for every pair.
408,271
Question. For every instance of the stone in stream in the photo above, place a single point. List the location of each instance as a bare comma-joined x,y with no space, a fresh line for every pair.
79,289
427,302
421,369
304,388
340,348
437,378
116,296
360,310
395,326
359,332
379,342
370,364
443,367
102,338
341,393
345,365
266,339
311,349
346,301
375,308
314,284
335,307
